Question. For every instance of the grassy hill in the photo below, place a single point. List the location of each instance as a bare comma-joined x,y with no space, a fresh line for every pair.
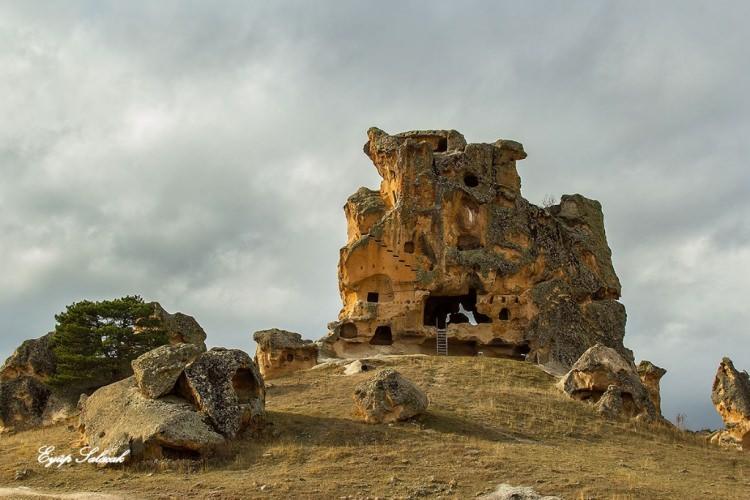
490,421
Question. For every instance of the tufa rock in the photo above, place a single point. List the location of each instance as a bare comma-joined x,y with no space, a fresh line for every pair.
357,366
730,395
33,358
650,375
388,397
227,386
508,492
181,328
120,419
156,372
602,370
448,235
280,352
23,401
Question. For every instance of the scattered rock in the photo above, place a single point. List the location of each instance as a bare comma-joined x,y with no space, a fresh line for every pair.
156,372
357,366
280,352
602,370
730,395
119,418
22,474
227,386
650,375
388,397
508,492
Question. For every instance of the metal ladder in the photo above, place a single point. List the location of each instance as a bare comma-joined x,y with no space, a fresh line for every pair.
442,342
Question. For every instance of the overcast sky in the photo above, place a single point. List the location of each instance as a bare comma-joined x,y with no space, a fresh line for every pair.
200,153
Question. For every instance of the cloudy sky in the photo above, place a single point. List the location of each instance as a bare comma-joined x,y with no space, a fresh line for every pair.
199,153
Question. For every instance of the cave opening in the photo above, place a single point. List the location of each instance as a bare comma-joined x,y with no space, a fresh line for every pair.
382,336
372,296
441,310
471,180
504,314
348,331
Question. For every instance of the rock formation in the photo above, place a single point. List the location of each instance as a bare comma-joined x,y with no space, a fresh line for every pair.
448,242
508,492
731,397
28,400
280,352
219,395
603,377
650,375
388,397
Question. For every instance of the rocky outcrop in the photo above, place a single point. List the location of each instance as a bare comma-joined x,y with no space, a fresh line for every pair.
603,377
24,403
157,371
280,352
219,393
226,385
508,492
651,375
448,242
731,397
120,419
388,397
180,328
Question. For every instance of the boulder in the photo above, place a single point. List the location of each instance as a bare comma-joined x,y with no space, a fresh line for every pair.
118,418
388,397
226,385
33,358
508,492
156,372
23,401
280,352
650,375
601,367
730,395
181,328
357,366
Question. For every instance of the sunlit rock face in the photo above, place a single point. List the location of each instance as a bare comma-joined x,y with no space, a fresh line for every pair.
449,242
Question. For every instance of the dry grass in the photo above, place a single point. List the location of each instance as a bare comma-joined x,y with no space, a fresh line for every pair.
490,421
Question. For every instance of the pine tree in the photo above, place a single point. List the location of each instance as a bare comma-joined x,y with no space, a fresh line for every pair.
94,342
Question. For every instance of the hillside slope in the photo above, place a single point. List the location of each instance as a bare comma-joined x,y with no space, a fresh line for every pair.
490,421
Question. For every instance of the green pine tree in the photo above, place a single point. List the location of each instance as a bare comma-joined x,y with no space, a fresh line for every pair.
94,342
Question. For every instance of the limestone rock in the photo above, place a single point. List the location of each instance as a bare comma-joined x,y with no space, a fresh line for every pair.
119,418
731,397
22,402
388,397
227,386
449,242
650,375
156,372
181,328
33,358
592,376
280,352
357,366
508,492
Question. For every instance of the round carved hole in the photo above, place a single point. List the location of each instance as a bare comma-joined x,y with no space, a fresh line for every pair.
471,180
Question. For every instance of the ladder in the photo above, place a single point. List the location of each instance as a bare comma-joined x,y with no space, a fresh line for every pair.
442,342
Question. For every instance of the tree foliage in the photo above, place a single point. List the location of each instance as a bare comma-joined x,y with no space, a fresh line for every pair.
94,342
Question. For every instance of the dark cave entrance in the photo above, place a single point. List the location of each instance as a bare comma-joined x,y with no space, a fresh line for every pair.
382,336
437,309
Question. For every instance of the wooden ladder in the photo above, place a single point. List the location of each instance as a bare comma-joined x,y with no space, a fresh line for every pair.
442,342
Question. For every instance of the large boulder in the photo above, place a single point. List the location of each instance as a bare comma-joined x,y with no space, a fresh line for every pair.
23,401
118,418
731,397
156,372
181,328
650,375
601,367
388,397
280,352
227,386
33,358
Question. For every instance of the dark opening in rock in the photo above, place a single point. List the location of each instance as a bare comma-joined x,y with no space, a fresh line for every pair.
290,357
504,314
442,145
245,386
179,453
409,247
471,180
468,242
372,296
348,331
383,336
437,308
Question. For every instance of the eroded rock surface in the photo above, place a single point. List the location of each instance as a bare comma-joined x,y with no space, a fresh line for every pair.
388,397
448,233
181,328
601,371
508,492
650,375
156,372
226,385
23,401
731,397
33,358
280,352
